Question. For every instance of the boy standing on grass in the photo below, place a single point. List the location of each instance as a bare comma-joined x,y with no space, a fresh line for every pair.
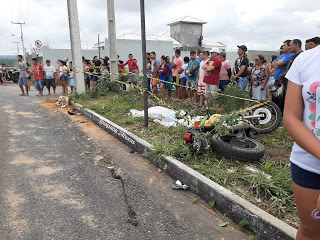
193,67
183,78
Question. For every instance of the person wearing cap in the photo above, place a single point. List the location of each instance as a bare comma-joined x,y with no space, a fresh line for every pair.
225,72
239,72
212,76
49,76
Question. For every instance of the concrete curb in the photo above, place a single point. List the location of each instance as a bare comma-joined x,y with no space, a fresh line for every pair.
236,208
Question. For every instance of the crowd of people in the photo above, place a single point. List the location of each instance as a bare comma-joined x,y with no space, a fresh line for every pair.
195,77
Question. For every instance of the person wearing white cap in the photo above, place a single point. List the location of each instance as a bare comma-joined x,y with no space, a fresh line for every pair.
212,76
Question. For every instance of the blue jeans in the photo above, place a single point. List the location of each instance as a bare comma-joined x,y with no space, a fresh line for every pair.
243,82
223,84
149,82
39,84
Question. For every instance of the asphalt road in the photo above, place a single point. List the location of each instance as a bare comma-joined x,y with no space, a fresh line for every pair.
52,185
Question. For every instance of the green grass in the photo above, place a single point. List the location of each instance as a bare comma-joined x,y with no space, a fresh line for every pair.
278,138
273,194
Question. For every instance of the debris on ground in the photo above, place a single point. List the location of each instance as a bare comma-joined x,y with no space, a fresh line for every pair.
179,185
74,112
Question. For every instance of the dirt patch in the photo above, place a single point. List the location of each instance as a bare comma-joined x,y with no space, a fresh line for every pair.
22,159
94,102
46,171
14,199
282,154
17,133
89,127
90,221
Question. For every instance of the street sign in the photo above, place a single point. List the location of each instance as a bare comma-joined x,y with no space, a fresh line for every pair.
39,49
38,43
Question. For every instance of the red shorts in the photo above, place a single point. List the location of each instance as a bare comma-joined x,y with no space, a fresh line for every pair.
201,88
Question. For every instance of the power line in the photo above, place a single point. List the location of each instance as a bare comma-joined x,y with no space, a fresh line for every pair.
19,12
27,11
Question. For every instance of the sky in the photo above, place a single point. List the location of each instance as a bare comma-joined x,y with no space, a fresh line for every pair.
261,25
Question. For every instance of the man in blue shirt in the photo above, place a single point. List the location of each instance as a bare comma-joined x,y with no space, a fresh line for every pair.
280,65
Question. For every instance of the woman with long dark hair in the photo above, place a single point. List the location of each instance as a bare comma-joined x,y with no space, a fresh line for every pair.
164,76
259,79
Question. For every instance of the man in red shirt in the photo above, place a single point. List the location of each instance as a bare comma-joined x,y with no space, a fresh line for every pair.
133,70
211,78
38,76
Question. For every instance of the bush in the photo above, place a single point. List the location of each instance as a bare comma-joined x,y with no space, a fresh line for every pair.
232,104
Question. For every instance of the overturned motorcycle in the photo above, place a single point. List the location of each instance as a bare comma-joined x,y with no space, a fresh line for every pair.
238,144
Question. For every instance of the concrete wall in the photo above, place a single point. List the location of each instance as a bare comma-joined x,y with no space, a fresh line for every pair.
267,54
124,47
175,32
54,54
191,33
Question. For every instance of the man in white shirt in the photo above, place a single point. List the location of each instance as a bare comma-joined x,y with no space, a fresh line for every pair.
49,71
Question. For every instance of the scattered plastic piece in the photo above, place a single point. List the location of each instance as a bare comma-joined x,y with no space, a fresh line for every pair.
166,116
179,185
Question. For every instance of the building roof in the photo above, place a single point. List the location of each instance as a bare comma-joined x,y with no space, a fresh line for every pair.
209,44
187,19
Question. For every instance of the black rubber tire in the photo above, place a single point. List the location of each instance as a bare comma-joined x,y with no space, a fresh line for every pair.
227,149
276,112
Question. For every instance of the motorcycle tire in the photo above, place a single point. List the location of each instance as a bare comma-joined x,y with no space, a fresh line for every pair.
272,119
229,146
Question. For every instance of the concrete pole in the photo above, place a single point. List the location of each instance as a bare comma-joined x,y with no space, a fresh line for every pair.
144,47
75,46
23,49
112,39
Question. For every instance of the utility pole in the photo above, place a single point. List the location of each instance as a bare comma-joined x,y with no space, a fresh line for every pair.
75,45
23,49
112,39
99,45
17,46
144,49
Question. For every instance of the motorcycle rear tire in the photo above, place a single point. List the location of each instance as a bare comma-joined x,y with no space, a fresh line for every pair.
229,146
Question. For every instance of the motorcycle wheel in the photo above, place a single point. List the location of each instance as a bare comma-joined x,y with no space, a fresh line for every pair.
230,146
271,119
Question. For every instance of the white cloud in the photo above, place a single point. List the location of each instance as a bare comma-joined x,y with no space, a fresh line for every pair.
260,25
